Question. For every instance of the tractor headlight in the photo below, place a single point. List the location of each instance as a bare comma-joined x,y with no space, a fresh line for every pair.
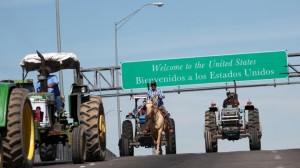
80,89
83,89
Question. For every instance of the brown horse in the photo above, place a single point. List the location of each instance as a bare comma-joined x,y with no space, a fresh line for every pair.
156,122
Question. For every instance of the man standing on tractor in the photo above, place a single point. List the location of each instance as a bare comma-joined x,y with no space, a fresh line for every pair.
52,84
231,100
154,91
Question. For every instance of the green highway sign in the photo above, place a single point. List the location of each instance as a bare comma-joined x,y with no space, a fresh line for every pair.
208,69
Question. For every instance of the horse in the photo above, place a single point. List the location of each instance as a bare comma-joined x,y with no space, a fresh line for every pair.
157,122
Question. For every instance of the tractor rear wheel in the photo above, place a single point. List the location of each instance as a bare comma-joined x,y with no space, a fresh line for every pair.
47,152
78,145
210,130
18,142
93,122
171,140
254,129
126,138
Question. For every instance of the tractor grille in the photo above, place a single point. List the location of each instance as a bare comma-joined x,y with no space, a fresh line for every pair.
230,117
229,113
230,123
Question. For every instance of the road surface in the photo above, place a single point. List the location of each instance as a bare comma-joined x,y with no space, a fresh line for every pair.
246,159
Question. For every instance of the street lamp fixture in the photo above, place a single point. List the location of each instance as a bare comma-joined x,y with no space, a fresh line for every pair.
159,4
118,25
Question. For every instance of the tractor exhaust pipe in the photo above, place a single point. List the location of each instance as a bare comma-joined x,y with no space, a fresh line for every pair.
42,77
235,98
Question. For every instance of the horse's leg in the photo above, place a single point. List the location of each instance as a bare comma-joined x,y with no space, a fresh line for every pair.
157,152
153,136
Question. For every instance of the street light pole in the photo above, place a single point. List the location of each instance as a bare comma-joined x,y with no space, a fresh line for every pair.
118,25
117,82
61,84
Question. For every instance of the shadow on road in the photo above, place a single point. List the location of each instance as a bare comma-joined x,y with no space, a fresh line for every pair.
58,162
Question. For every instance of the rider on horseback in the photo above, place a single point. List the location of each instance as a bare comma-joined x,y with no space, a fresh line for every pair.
154,91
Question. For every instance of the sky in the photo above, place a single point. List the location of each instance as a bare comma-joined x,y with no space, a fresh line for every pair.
176,30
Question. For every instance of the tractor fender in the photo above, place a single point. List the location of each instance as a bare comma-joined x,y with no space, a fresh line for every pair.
5,89
249,107
77,95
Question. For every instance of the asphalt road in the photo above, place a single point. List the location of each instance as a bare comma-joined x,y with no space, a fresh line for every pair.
247,159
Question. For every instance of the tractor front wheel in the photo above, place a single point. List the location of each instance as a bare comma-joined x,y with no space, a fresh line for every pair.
171,140
18,142
47,152
124,146
254,140
78,145
208,142
126,138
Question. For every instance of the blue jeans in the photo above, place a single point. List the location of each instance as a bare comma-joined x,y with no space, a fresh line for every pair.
59,102
160,102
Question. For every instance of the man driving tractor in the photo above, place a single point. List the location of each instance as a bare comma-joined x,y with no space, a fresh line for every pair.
231,100
52,84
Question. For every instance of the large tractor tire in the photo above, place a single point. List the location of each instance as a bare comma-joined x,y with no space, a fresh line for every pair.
78,145
47,152
211,145
126,138
171,140
93,122
254,129
18,142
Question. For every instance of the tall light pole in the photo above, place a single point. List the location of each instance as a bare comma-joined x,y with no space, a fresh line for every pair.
118,25
61,84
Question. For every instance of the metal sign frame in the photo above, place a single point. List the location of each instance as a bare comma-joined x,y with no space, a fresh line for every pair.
103,81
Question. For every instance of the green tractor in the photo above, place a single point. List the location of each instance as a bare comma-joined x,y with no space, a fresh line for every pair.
17,134
86,133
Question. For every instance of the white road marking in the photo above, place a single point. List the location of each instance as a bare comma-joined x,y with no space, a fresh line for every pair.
277,157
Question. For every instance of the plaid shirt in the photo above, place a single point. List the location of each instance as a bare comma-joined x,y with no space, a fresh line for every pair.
158,92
